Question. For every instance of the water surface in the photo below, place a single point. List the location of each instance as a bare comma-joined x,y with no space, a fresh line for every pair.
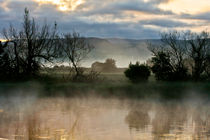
95,118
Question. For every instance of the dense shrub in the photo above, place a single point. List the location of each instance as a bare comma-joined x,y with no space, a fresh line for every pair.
161,66
164,69
137,73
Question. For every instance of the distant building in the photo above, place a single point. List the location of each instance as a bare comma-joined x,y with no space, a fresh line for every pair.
108,66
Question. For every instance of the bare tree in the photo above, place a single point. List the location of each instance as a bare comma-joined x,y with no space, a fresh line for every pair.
75,49
172,48
32,45
3,45
186,47
177,45
173,44
198,52
5,63
14,49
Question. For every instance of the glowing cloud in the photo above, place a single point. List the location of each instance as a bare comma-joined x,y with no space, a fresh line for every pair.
63,5
186,6
2,40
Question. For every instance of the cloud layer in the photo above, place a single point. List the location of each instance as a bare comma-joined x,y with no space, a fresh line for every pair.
136,19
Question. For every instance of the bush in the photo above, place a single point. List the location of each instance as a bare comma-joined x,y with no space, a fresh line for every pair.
137,73
164,70
162,67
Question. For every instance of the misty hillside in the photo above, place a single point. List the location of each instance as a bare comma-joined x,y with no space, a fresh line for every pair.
123,51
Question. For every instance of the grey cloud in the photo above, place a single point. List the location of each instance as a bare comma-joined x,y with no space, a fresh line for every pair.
3,15
81,19
17,7
165,23
201,16
142,7
118,7
105,30
15,10
159,1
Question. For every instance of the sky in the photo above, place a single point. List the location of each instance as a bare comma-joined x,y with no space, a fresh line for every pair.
132,19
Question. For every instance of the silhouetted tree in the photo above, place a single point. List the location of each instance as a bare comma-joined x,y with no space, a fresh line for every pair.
3,46
198,52
75,49
14,50
137,73
5,63
32,45
164,71
169,57
176,45
161,66
207,68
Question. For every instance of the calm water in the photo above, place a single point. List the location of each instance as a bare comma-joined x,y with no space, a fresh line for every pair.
30,118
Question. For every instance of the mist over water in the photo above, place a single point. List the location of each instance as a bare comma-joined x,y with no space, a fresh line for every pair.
56,84
97,118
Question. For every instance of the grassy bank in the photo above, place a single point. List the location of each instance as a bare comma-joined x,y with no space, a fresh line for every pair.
113,85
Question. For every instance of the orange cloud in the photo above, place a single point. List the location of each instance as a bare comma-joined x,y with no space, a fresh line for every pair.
2,40
62,5
186,6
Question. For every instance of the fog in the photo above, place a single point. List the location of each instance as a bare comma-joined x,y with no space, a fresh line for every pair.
23,117
123,51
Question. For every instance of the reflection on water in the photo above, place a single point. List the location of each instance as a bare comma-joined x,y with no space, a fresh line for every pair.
102,119
172,121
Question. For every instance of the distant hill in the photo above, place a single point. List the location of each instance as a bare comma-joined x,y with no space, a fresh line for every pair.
123,51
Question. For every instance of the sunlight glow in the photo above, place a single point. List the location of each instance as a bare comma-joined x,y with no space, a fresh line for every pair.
186,6
63,5
3,40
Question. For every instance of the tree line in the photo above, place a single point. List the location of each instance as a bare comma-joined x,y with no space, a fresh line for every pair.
181,56
30,48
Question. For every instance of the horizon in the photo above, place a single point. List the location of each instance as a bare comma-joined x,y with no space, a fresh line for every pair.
108,38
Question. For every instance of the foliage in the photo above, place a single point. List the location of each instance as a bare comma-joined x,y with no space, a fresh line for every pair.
161,66
5,64
137,73
198,52
181,55
164,70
